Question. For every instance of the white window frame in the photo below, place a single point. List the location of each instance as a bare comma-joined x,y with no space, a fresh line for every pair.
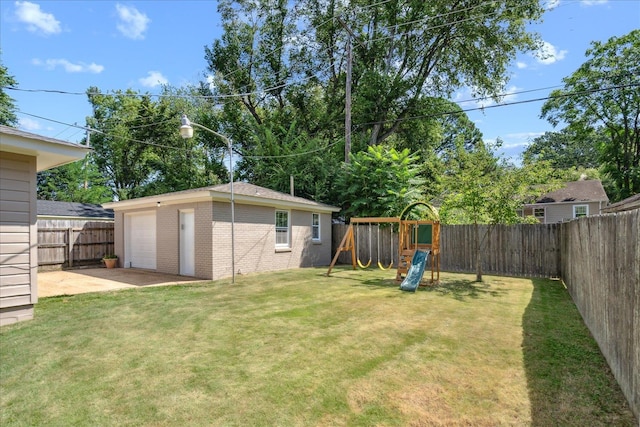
537,210
575,213
280,228
315,227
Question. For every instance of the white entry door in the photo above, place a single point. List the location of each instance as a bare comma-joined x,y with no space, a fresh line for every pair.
140,240
187,244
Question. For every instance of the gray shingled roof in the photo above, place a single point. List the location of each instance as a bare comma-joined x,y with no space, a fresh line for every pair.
577,191
627,204
243,192
72,209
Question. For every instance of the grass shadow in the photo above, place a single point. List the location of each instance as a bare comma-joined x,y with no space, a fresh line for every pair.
568,379
461,289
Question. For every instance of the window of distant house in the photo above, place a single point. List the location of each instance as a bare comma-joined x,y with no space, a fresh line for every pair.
580,211
315,227
539,213
282,229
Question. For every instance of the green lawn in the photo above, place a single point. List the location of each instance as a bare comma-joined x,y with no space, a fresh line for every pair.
296,348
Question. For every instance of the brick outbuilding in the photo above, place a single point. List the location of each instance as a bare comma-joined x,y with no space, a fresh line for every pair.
189,232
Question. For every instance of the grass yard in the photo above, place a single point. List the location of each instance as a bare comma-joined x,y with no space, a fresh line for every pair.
296,348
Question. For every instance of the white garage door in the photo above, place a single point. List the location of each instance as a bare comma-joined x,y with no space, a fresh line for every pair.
140,240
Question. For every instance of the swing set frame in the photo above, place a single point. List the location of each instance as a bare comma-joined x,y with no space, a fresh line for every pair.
408,242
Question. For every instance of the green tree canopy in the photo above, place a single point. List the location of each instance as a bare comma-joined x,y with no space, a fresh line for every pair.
603,95
7,104
380,182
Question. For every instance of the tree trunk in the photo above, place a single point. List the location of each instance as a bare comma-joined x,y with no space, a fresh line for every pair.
478,253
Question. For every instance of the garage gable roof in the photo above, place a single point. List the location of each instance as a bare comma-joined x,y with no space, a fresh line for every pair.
243,193
49,152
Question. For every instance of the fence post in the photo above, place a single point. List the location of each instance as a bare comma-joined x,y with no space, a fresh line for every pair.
70,245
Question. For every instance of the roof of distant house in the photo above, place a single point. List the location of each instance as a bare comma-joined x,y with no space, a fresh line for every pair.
577,191
627,204
51,208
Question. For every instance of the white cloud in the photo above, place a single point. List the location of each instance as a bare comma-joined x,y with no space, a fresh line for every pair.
552,4
28,124
548,54
521,65
36,19
154,78
132,23
68,66
211,82
521,139
593,2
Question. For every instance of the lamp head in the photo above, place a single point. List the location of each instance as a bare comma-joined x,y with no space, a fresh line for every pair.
186,130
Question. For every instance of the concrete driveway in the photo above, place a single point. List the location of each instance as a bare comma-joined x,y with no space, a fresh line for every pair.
70,282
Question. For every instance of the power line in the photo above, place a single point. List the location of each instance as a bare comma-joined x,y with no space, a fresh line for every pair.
504,104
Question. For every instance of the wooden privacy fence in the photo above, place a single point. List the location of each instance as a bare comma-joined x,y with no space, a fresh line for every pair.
529,250
601,269
73,243
510,250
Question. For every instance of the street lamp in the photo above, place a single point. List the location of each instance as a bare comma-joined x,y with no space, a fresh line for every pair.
186,131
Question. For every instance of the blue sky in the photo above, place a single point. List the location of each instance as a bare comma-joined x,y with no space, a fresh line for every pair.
68,46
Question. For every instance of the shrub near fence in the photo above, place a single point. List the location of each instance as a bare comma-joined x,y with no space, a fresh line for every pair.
601,269
73,243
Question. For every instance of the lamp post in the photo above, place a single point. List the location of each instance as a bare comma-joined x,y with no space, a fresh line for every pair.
186,131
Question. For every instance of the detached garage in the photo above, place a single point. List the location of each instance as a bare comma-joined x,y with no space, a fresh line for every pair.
190,232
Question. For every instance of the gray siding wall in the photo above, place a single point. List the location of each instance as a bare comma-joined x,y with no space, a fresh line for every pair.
559,212
18,238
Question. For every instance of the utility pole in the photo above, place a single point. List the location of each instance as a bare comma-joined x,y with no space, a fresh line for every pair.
347,102
347,105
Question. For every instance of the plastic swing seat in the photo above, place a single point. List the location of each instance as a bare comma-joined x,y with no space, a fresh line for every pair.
382,267
363,266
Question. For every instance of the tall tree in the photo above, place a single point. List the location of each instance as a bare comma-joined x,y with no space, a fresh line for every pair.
138,148
79,181
281,62
407,49
604,95
484,189
7,104
566,149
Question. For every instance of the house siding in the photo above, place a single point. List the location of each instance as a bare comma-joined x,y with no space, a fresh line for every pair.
18,238
559,212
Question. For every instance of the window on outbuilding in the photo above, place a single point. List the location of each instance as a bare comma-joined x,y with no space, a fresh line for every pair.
282,229
539,214
580,211
315,227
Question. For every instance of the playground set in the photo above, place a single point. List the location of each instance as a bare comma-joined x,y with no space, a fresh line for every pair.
418,242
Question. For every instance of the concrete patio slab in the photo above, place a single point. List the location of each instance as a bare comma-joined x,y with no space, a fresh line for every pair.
71,282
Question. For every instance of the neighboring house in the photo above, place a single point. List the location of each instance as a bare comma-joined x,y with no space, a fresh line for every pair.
65,212
189,232
574,200
628,204
22,155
